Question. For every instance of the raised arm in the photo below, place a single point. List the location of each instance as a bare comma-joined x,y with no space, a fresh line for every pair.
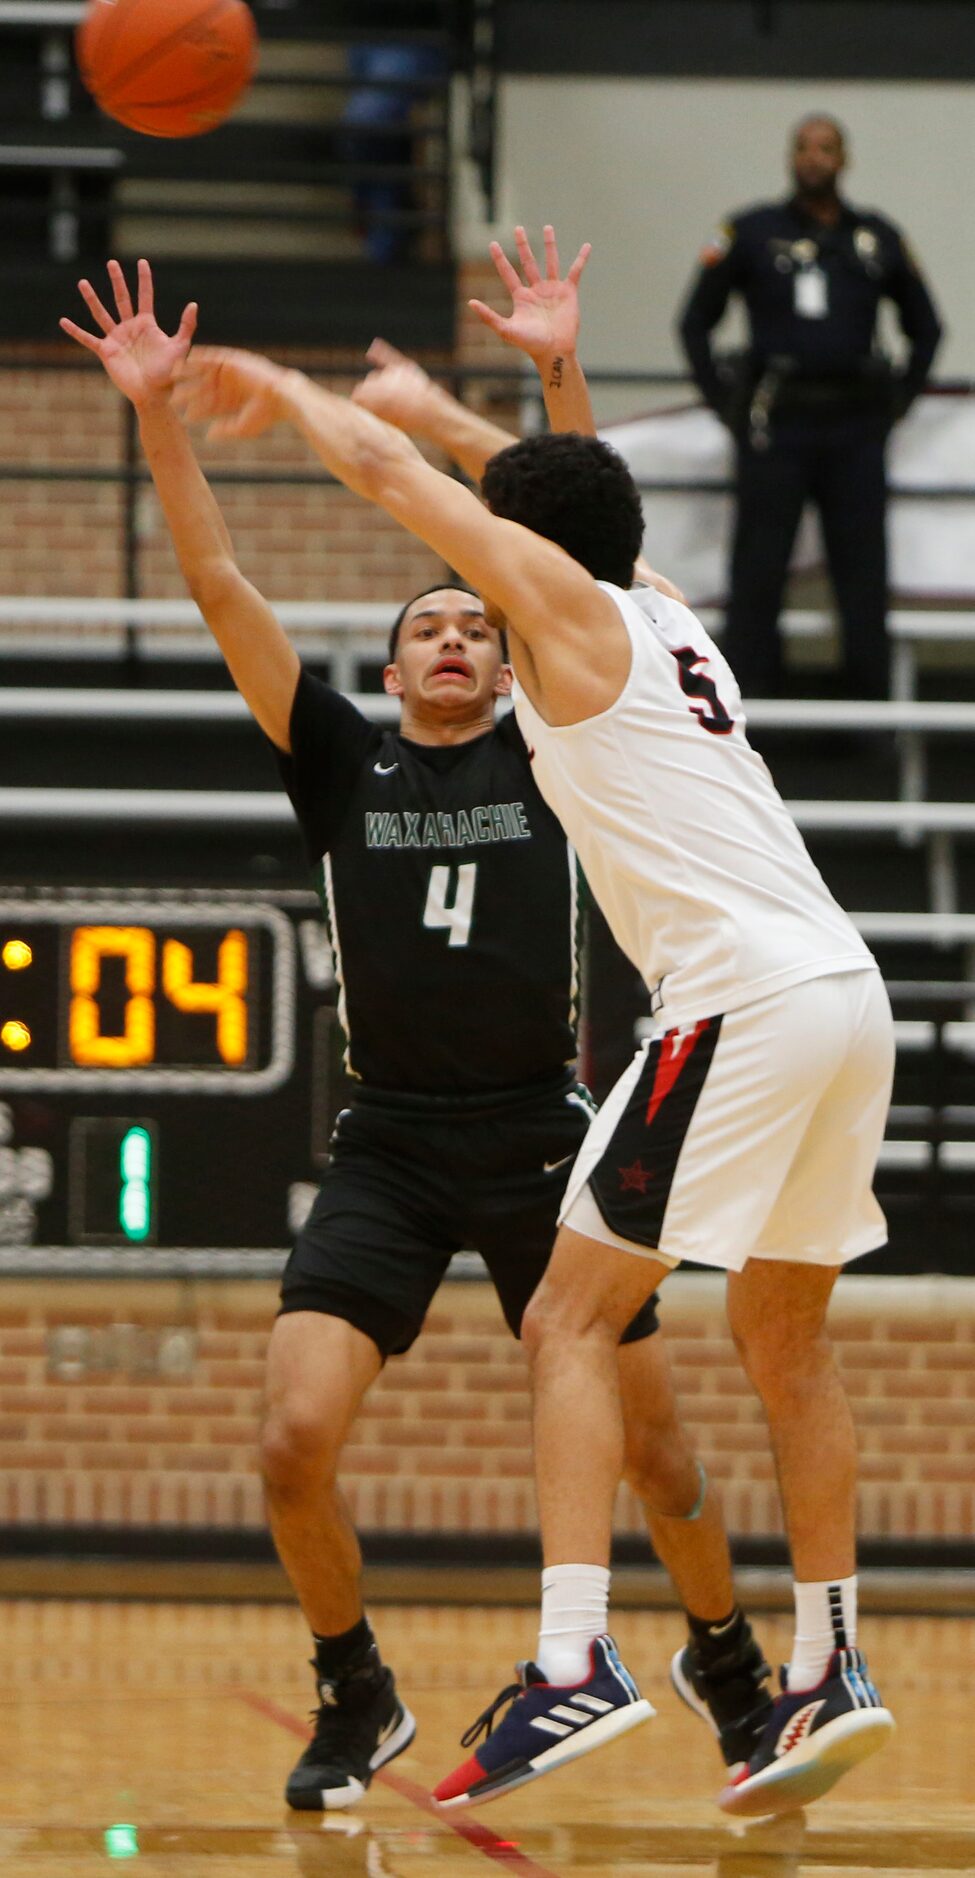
143,362
570,629
544,324
399,390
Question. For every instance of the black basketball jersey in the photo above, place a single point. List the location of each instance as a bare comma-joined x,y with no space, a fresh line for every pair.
450,894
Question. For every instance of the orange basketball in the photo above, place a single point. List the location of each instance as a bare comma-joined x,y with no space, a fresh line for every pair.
170,68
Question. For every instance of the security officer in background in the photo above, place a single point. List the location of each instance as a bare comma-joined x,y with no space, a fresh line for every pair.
811,402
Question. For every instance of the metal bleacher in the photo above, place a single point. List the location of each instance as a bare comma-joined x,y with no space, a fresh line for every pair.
345,633
905,862
346,639
334,167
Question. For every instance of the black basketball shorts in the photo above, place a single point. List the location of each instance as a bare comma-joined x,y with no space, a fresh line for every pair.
411,1182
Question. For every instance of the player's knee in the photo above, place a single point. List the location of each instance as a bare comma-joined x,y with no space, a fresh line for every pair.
782,1356
296,1453
555,1317
539,1323
549,1315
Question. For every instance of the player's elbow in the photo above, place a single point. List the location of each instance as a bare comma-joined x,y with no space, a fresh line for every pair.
385,474
214,584
377,456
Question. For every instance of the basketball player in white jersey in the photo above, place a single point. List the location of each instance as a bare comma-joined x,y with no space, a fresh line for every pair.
745,1133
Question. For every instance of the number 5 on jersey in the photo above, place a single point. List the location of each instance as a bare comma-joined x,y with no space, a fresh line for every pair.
454,915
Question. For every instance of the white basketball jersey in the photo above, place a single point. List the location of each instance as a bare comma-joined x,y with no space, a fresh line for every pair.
689,849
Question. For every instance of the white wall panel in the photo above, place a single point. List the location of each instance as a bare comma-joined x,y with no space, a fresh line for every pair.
645,168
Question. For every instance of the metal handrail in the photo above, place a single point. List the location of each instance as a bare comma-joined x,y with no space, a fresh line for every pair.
265,808
829,816
48,608
137,474
94,704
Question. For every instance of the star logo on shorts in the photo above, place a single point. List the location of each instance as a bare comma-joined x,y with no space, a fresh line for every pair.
636,1178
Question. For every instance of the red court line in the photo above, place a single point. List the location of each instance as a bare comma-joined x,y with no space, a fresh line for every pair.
481,1837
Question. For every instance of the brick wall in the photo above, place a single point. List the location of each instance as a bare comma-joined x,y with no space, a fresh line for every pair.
443,1443
295,543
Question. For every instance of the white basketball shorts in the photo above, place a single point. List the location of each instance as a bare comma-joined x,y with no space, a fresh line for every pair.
752,1135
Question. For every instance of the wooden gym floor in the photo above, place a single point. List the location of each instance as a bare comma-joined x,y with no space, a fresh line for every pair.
158,1736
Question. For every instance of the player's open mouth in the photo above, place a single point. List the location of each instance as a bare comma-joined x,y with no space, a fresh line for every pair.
456,667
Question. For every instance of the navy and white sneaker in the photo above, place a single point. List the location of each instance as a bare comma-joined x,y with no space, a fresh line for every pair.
724,1681
811,1740
360,1724
545,1726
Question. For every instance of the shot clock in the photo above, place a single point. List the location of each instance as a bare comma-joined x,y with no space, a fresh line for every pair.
101,993
172,1060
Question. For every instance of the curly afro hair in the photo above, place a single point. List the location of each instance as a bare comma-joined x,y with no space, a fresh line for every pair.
577,492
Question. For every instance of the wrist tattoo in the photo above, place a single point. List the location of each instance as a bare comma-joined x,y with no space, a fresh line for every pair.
555,381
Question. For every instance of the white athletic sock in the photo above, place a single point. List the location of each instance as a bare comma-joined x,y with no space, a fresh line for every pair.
826,1620
575,1601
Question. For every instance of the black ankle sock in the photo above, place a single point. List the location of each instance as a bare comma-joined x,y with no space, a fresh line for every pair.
333,1653
716,1635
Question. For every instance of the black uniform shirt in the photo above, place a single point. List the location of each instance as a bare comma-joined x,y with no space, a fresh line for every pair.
759,255
449,890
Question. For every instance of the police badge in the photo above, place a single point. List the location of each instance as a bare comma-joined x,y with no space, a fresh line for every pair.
867,249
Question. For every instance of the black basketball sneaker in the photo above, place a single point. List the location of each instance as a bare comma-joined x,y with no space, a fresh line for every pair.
723,1678
360,1724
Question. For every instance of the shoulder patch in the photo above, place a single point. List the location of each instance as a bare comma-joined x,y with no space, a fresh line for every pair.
718,245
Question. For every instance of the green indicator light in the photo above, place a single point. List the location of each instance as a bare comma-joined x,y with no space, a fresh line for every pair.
134,1210
135,1199
136,1154
122,1842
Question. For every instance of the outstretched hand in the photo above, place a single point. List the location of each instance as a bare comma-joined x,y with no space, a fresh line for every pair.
397,388
235,393
138,356
544,317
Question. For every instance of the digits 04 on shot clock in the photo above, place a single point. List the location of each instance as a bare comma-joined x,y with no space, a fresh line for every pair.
174,1057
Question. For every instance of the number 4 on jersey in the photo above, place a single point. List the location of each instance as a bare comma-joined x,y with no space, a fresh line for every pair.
455,916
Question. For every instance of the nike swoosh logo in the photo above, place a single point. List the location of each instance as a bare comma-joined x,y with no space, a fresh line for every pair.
385,769
550,1166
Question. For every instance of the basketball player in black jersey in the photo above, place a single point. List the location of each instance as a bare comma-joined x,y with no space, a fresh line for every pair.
451,898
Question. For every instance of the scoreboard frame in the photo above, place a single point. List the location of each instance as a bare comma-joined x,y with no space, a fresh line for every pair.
163,914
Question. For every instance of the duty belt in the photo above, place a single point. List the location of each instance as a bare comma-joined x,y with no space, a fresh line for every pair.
780,390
